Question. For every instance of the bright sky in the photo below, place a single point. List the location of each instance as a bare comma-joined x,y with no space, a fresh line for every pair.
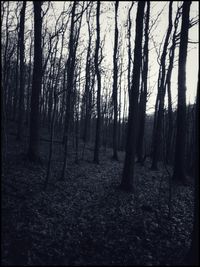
107,31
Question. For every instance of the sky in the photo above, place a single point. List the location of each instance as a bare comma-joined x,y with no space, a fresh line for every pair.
158,32
107,31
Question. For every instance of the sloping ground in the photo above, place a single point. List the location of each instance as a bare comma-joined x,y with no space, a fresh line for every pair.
86,220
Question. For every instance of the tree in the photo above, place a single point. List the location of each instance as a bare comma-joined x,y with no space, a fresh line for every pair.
115,77
21,88
143,94
128,170
87,94
129,23
33,150
98,123
73,44
179,162
29,81
159,110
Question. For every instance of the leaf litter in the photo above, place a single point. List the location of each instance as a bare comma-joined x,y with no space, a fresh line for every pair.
86,220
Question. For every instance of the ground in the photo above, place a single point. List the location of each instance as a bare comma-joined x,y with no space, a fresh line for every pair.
86,219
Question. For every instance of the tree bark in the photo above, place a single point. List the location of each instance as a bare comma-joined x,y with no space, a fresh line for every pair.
128,170
143,95
158,119
168,86
179,163
98,122
33,150
70,80
22,83
115,84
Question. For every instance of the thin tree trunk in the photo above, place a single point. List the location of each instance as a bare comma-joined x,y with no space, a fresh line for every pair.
70,80
115,84
16,82
22,78
143,95
98,123
29,85
168,85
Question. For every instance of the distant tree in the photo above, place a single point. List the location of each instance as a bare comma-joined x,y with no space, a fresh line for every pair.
22,80
33,150
128,170
115,84
179,162
97,71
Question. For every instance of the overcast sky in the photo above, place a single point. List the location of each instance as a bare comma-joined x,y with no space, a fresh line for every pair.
107,31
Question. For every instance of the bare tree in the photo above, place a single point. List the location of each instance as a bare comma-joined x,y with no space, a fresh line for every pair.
128,170
22,85
115,84
159,110
168,87
98,123
143,94
75,27
179,162
33,150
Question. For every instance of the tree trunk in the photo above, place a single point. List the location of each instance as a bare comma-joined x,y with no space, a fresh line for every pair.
115,84
128,170
16,82
179,163
143,95
98,123
33,150
70,80
168,86
21,88
29,85
157,136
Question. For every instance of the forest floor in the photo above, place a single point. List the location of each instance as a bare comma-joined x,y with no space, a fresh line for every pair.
86,219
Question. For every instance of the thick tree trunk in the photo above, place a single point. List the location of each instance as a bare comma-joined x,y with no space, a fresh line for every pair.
179,163
128,170
33,150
